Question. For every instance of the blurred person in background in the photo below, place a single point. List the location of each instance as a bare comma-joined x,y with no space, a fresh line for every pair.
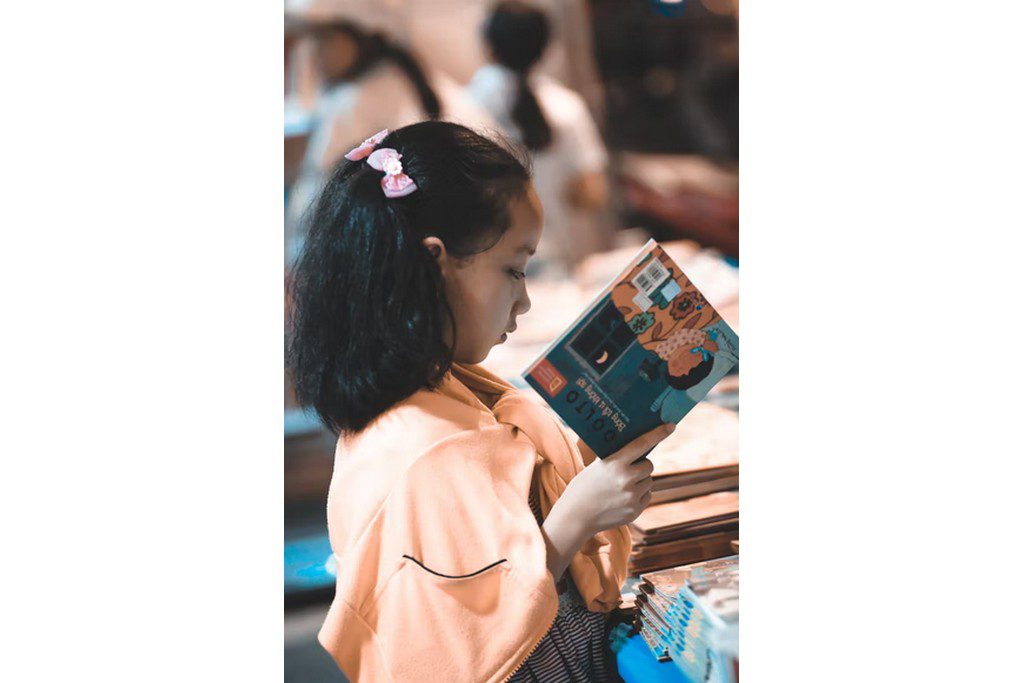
554,123
368,80
437,31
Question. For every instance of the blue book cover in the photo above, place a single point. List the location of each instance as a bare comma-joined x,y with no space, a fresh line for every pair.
645,352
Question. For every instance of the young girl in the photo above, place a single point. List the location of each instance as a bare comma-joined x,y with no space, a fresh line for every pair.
475,541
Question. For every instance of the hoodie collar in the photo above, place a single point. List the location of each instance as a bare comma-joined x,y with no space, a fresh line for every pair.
463,379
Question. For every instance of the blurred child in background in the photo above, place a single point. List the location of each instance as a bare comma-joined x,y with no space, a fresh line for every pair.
553,122
369,81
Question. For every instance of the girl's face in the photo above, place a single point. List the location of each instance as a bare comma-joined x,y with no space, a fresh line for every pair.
487,291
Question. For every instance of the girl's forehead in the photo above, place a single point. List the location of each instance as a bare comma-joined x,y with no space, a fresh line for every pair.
527,216
523,234
534,203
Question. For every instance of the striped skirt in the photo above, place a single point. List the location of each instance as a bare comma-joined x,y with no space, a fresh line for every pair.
576,648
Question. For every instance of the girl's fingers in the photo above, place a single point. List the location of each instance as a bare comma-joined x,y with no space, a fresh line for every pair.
647,482
641,469
642,444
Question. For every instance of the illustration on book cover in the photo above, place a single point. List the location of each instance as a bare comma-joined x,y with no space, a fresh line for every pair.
646,353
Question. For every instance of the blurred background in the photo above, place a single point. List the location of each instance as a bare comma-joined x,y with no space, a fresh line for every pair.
630,111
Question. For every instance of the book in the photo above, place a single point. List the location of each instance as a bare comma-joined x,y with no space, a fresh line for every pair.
696,549
703,620
650,600
693,477
656,635
685,531
666,517
641,540
683,491
643,353
668,582
691,613
658,650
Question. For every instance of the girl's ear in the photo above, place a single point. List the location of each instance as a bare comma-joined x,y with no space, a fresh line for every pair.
436,248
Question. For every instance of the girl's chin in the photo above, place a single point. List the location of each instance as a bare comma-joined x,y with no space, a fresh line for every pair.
475,358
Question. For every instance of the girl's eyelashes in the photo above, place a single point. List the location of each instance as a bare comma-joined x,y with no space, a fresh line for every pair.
517,274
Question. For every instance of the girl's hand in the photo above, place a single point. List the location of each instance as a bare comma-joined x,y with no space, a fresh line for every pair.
614,491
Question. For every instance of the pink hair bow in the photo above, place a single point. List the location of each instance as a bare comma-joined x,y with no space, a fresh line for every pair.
395,182
364,149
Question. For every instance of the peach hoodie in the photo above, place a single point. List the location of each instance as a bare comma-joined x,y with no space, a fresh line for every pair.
442,569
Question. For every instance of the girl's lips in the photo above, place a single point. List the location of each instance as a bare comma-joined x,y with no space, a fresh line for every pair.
504,335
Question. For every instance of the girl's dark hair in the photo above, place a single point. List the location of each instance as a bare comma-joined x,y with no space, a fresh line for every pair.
696,375
367,305
374,48
517,35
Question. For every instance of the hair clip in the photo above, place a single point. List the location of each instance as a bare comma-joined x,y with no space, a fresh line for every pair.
367,146
395,182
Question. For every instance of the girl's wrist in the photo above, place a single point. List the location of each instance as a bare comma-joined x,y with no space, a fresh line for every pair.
574,523
564,533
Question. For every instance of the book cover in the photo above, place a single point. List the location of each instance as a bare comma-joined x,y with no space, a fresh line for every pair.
645,352
668,582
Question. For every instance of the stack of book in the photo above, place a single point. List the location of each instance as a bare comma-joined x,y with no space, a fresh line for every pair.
690,614
684,531
652,601
691,483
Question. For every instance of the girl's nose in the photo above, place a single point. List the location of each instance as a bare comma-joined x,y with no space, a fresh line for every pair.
524,302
